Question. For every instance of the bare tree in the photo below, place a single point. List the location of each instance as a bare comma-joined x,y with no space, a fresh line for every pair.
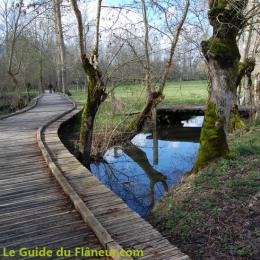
60,44
147,65
96,87
18,18
245,54
155,95
11,71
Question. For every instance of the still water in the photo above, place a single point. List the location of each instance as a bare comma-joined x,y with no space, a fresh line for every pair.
151,164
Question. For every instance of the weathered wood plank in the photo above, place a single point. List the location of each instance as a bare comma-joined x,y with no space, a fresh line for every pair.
34,211
124,225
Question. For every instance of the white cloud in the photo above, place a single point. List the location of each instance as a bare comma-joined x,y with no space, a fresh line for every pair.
140,140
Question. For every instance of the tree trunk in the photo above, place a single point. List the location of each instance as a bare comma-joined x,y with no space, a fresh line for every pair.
244,69
41,90
87,124
58,73
96,87
257,97
113,102
154,97
213,141
86,134
147,65
153,100
247,84
96,95
60,43
19,101
222,54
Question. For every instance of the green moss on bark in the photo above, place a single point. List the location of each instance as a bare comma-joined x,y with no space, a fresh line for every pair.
224,51
235,122
226,18
82,134
249,66
213,141
96,95
245,68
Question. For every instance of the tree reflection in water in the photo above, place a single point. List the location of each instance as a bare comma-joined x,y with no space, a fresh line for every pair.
155,176
144,198
142,171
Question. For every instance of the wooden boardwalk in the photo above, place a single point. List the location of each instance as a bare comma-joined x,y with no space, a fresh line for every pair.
124,225
33,209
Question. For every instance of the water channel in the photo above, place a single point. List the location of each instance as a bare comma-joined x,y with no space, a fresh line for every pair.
151,164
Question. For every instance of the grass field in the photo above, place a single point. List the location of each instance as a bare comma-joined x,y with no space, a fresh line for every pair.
185,92
131,98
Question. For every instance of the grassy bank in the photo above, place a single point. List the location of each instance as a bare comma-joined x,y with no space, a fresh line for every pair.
131,98
215,215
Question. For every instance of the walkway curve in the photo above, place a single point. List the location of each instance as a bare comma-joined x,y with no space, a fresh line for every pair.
101,233
124,226
34,211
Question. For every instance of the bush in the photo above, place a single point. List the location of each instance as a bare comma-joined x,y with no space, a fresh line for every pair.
67,92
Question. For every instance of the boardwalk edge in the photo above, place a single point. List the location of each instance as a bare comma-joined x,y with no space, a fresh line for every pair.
33,102
102,234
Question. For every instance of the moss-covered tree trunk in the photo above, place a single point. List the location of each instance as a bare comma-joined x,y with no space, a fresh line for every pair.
222,54
96,88
245,69
96,95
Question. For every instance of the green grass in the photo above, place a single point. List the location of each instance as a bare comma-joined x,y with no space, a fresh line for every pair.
131,98
206,215
185,92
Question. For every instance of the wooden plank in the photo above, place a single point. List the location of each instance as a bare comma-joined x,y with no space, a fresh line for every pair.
34,210
43,237
28,190
11,219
